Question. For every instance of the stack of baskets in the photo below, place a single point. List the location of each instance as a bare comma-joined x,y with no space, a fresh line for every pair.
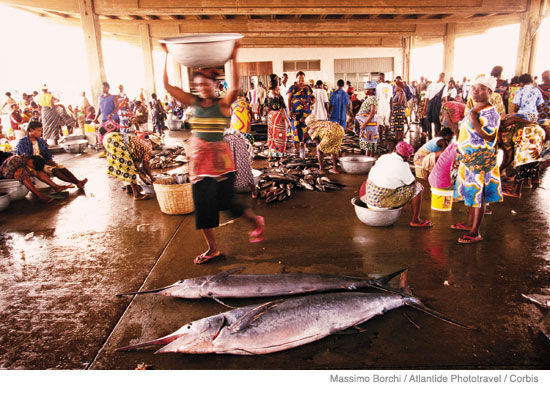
174,198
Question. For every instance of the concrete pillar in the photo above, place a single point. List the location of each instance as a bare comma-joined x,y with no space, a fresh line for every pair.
407,45
228,70
449,50
147,49
185,79
94,52
528,36
177,73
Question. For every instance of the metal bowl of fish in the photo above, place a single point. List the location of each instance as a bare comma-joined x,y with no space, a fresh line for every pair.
205,50
356,164
375,217
14,189
4,200
75,146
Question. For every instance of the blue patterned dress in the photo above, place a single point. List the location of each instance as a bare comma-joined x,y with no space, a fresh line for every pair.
478,172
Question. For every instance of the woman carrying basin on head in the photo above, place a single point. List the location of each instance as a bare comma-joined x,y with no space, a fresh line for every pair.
211,162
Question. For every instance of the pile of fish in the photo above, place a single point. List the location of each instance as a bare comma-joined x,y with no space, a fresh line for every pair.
169,157
284,323
277,182
350,144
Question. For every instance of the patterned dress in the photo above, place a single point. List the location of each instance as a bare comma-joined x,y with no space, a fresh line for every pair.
123,153
529,141
329,133
495,100
478,173
398,118
240,117
368,137
300,107
276,127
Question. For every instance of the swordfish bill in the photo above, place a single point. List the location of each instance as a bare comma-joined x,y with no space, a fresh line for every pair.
229,284
282,324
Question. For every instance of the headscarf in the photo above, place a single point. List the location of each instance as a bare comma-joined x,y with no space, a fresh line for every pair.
370,85
404,149
488,81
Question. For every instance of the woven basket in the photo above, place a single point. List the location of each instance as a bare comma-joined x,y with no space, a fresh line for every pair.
174,199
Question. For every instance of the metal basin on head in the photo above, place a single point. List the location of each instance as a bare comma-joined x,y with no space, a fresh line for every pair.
206,50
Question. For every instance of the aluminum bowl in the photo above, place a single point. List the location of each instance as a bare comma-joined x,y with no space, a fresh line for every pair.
4,200
375,217
356,164
205,50
14,188
75,146
72,137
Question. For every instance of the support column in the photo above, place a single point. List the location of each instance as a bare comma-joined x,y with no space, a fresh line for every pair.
449,50
228,70
94,52
147,49
177,73
407,45
528,36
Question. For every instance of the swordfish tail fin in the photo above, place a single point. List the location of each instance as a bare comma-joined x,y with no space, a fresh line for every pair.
387,278
415,303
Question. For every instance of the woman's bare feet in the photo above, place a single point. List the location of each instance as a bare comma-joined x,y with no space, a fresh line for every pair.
81,184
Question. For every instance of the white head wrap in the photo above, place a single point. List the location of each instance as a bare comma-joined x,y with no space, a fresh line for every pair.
488,81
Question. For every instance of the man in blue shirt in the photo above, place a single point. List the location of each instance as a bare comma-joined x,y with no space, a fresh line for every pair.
339,101
34,144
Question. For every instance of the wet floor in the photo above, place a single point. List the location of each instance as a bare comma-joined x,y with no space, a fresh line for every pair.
58,307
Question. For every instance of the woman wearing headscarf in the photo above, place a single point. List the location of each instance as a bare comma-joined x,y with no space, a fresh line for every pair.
398,119
365,121
391,184
211,162
478,179
277,121
54,115
299,101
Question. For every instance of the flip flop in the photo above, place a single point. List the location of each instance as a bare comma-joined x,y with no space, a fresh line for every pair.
469,239
203,258
460,226
257,234
510,194
425,224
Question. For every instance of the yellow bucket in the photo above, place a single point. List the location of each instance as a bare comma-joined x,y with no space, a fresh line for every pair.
89,128
442,199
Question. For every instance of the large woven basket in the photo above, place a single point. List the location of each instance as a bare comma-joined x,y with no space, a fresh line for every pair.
174,199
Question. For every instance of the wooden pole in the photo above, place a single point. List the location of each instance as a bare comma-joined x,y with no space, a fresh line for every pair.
528,36
407,45
94,52
449,50
147,49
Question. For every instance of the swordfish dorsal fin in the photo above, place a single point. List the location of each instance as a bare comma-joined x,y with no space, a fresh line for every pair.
252,316
224,274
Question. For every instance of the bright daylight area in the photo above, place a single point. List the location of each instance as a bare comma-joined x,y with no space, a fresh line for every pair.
238,190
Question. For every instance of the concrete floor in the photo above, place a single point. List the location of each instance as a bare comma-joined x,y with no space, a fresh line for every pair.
58,308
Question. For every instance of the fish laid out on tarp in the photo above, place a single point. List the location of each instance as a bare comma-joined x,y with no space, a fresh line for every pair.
228,284
282,324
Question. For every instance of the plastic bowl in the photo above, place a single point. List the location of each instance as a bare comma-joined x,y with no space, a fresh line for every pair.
375,217
205,50
357,164
4,200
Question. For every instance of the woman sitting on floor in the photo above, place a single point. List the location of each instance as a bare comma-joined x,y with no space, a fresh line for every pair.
34,144
391,184
22,168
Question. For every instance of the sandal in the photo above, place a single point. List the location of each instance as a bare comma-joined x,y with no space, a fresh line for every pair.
460,226
203,258
466,239
257,234
425,224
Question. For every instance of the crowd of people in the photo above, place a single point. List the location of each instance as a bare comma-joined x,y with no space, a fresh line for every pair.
462,126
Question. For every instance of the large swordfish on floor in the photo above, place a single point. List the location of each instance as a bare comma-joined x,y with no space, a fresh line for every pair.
229,284
282,324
